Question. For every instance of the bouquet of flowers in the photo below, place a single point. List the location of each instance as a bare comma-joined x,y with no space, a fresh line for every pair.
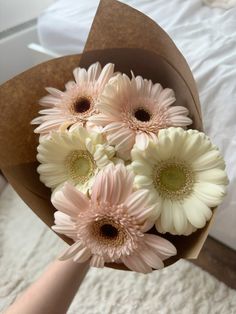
131,175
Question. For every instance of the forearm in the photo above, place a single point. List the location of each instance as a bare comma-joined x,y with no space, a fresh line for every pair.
53,292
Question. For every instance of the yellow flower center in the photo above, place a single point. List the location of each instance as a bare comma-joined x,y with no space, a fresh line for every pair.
80,165
173,180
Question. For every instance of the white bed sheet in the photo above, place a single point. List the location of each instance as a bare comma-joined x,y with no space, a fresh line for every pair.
206,37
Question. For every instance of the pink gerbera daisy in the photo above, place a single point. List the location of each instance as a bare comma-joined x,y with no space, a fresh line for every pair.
111,226
77,103
134,110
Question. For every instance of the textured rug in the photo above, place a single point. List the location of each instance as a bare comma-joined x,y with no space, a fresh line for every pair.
27,246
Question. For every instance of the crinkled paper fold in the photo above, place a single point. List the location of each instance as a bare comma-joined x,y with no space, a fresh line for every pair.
119,34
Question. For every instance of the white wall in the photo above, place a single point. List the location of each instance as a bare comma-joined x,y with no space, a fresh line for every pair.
15,56
15,12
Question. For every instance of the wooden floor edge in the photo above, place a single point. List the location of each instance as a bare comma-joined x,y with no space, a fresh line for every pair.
218,260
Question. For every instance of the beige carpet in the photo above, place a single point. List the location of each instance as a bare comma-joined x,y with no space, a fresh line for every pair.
27,246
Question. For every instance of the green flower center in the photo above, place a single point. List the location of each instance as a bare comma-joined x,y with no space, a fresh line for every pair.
80,165
173,180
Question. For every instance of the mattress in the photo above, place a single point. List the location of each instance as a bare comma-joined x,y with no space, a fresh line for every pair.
206,37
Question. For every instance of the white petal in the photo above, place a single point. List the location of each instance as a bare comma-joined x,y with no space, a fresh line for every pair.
142,181
179,218
196,211
209,160
142,140
167,215
216,176
209,193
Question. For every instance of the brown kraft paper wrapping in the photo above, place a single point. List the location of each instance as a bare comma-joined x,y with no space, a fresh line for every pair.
119,34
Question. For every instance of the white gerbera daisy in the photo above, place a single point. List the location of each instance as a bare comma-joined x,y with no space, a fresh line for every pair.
133,111
74,156
185,175
77,103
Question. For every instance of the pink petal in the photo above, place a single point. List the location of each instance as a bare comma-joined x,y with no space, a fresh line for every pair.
161,246
71,251
114,126
105,75
113,184
54,92
137,204
156,90
77,198
103,184
178,110
70,85
69,200
126,178
65,225
136,263
147,225
80,75
65,229
61,203
166,97
49,101
100,119
180,121
94,71
82,255
150,257
49,125
97,261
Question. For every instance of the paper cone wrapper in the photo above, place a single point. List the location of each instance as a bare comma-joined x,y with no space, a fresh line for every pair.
130,40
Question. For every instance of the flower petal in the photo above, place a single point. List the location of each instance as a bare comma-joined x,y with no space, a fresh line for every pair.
76,197
63,204
71,251
209,193
161,246
136,263
137,205
141,140
82,255
167,215
150,257
196,211
179,218
216,176
97,261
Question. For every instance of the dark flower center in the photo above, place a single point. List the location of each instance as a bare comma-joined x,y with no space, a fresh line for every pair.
82,105
142,115
108,231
